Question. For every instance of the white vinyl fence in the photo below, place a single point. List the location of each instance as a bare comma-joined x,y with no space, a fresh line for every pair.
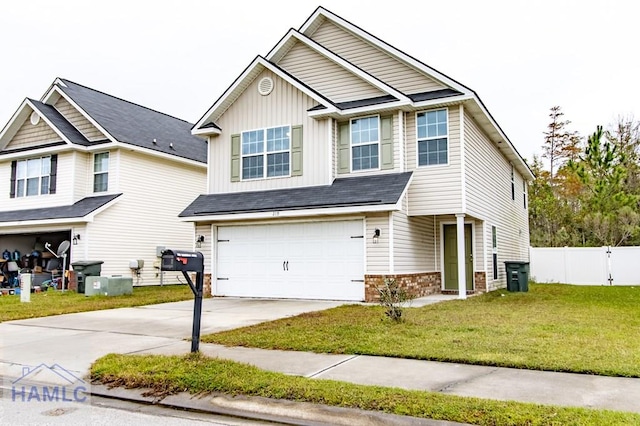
585,265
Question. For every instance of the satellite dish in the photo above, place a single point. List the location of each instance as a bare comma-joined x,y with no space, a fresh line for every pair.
63,247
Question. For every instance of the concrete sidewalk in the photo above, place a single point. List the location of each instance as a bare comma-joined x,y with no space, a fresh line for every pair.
74,341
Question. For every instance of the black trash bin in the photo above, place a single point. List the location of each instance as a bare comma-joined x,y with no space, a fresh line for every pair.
517,275
86,268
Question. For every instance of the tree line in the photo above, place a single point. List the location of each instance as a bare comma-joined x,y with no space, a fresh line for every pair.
587,193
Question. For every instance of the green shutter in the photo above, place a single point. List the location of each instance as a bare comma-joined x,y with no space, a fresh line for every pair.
296,150
235,158
344,148
386,143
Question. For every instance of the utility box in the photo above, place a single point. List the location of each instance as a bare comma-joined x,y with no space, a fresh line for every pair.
517,275
180,260
108,286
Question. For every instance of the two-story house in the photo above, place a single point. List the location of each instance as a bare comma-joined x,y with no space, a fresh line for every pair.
338,160
105,174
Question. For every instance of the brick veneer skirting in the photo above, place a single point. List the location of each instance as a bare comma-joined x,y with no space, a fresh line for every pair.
480,282
416,285
206,288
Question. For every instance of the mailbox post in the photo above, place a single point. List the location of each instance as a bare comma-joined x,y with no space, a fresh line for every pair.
188,261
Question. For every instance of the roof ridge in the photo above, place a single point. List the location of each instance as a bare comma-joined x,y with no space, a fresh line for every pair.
123,100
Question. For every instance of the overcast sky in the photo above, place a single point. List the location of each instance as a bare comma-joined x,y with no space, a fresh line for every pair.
521,57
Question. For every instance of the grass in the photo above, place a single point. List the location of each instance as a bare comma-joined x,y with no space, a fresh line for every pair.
66,302
578,329
198,374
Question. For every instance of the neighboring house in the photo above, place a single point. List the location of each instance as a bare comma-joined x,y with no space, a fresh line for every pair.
109,175
338,160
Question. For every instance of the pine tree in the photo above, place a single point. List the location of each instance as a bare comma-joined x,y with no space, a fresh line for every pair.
560,144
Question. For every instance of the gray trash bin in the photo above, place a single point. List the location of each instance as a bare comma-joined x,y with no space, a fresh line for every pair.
86,268
517,275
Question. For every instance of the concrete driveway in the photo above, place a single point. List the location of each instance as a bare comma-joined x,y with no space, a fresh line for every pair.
74,341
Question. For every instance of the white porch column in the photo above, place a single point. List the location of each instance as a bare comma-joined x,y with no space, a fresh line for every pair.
462,273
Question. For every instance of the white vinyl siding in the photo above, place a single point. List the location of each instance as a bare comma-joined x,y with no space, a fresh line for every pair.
78,120
413,249
145,216
488,192
373,60
285,104
29,135
435,189
325,76
378,253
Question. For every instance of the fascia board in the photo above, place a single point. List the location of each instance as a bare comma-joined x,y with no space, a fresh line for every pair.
293,213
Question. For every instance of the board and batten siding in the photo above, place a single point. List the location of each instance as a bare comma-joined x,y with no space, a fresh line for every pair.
413,247
29,135
64,187
145,216
285,105
435,189
373,60
488,189
377,254
78,120
325,76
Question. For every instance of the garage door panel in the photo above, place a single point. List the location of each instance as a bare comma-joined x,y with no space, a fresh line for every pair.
317,260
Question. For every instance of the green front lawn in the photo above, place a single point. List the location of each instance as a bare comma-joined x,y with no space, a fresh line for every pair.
198,374
552,327
67,302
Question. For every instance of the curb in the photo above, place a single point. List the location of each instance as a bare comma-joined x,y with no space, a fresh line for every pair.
260,408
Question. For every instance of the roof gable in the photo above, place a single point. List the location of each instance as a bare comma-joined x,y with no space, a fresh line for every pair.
374,60
326,76
207,123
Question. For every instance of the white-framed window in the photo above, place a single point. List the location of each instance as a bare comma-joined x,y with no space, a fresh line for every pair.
266,152
101,172
33,176
524,193
433,137
494,251
365,143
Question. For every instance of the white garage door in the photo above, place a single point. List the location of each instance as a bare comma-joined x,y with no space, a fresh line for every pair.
314,260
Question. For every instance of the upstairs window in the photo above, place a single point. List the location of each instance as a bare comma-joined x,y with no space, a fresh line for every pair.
513,184
524,193
266,152
433,137
365,143
101,172
33,176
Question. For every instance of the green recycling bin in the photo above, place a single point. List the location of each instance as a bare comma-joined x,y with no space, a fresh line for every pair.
517,275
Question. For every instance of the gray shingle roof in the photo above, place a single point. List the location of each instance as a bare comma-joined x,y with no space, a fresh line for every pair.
380,189
434,94
77,210
61,123
137,125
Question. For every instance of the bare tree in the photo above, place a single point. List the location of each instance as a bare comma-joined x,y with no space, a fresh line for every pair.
560,144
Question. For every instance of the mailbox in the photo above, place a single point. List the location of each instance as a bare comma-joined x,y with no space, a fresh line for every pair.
180,260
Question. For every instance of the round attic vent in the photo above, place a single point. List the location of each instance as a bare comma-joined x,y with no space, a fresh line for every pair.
35,118
265,86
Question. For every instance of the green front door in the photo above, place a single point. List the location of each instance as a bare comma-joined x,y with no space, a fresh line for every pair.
451,257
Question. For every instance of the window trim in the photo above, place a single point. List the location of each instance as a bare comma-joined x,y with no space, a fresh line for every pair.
26,177
513,183
95,154
418,140
265,153
379,143
524,193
